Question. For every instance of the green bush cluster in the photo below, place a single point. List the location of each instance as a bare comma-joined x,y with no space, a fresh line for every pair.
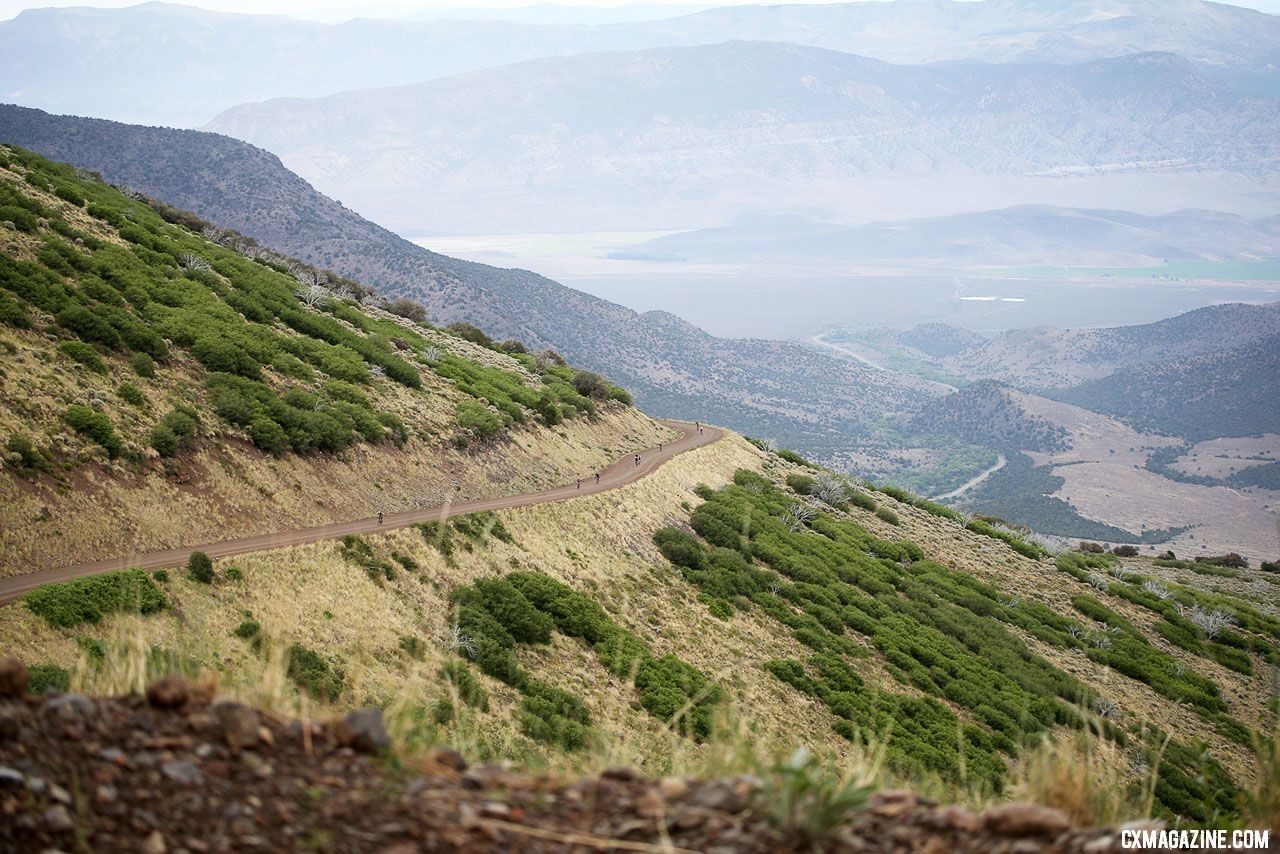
312,673
525,607
131,394
94,426
801,484
469,689
177,426
84,354
1015,542
794,458
241,318
88,600
43,678
938,629
932,507
22,454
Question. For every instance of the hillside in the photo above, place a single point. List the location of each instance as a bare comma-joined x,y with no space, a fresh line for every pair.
1234,392
671,138
640,627
186,64
1047,358
985,413
767,388
159,387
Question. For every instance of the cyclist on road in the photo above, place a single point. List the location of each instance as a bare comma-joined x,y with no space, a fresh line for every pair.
579,483
637,459
597,478
379,517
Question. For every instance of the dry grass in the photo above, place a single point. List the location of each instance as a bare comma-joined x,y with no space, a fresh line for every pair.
1088,778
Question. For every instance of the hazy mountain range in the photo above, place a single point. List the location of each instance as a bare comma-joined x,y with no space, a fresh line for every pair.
167,64
1030,234
676,137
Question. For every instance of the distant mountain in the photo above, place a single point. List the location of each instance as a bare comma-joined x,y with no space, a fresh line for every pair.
673,137
910,31
1030,234
779,389
1045,358
1235,392
170,64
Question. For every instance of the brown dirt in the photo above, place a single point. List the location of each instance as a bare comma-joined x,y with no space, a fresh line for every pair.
178,771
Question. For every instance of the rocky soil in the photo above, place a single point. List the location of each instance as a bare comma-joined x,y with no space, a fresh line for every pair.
178,770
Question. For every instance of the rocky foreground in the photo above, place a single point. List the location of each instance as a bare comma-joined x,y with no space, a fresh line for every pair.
179,771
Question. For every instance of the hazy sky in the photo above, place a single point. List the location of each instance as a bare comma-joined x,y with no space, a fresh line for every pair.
338,10
333,10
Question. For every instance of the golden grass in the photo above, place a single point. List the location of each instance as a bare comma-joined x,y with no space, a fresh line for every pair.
1088,778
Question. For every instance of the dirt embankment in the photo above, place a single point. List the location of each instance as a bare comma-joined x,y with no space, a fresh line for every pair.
177,770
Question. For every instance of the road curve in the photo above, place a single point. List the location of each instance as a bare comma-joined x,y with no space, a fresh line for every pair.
621,473
973,481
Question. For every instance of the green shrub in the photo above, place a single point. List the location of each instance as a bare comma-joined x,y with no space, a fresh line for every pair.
795,459
143,365
312,673
885,514
234,573
88,600
94,426
469,689
858,498
164,441
680,547
249,629
161,575
200,568
800,484
43,678
478,420
131,394
21,453
82,353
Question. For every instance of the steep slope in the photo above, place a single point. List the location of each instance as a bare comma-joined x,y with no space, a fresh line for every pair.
185,64
1234,392
674,368
160,389
650,625
1037,234
1047,358
671,137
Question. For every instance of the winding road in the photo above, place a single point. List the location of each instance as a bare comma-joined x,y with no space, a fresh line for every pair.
973,481
621,473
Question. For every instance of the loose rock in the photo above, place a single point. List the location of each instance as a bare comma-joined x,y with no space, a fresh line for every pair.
13,678
363,730
171,692
239,725
1015,820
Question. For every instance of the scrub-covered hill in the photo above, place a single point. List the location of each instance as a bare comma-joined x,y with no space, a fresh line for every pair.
161,388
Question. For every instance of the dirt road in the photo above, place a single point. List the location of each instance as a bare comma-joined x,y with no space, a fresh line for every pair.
621,473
